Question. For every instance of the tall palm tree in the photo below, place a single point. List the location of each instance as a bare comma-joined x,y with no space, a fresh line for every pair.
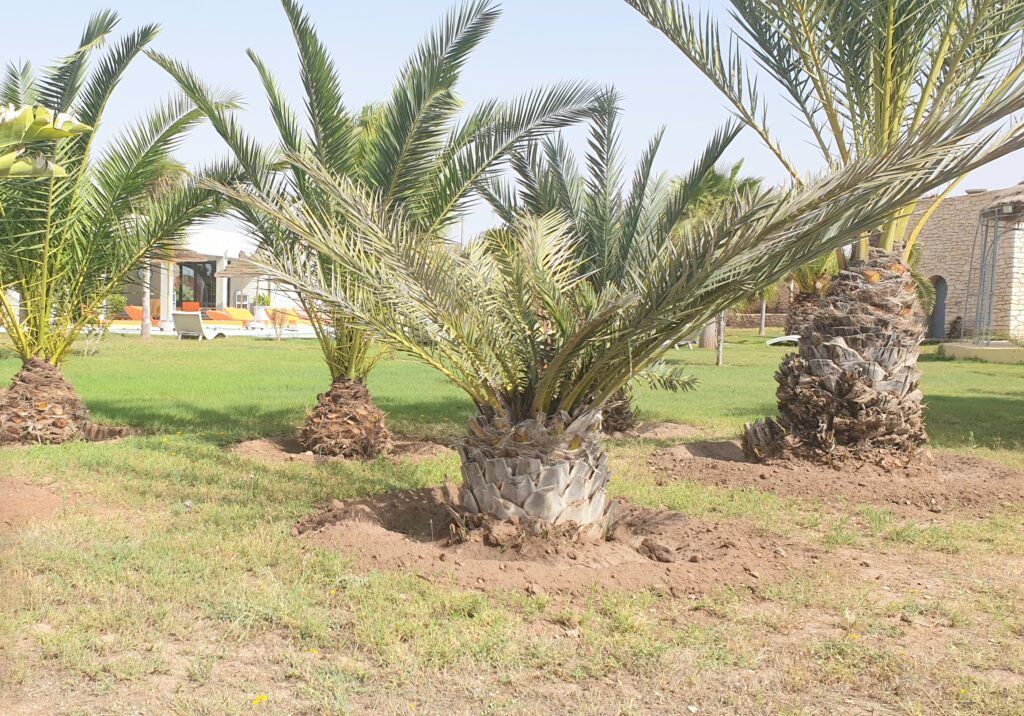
516,323
611,213
413,148
864,77
21,126
68,241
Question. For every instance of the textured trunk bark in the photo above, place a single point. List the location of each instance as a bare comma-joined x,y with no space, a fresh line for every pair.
41,407
346,423
801,312
554,473
852,390
618,415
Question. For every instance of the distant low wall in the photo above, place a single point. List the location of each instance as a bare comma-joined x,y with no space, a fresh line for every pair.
753,320
1004,353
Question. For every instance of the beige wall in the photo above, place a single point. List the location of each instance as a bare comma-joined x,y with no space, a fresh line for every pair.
948,242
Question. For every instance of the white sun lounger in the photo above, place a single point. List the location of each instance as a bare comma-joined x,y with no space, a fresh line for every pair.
190,325
783,340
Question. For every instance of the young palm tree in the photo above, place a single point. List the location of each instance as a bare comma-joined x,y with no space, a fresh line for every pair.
611,214
515,321
864,77
412,148
69,240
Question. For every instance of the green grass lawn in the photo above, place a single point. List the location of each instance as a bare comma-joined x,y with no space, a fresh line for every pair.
169,583
237,388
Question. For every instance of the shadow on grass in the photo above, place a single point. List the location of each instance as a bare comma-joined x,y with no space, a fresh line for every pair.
240,421
975,421
211,424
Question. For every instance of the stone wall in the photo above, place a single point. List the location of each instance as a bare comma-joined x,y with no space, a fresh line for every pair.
948,242
753,320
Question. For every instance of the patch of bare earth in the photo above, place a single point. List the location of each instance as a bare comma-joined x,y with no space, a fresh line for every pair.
646,548
938,483
289,450
661,431
22,504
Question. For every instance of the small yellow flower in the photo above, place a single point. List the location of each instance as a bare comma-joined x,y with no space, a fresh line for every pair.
332,592
854,636
963,691
260,699
314,650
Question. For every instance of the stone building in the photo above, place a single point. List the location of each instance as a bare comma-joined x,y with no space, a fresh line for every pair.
973,253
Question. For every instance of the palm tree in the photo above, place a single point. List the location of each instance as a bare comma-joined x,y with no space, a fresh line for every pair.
516,323
69,240
611,214
412,148
864,77
20,126
810,283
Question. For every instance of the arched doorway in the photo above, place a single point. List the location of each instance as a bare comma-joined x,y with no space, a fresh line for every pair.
937,323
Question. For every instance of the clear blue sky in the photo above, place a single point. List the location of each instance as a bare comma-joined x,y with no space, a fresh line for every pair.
535,42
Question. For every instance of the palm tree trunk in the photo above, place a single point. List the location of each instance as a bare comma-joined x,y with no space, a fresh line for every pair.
709,336
618,415
346,423
764,311
41,407
852,390
720,348
801,312
551,473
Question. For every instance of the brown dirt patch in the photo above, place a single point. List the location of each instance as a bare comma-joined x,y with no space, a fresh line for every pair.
660,431
21,504
289,450
938,483
652,549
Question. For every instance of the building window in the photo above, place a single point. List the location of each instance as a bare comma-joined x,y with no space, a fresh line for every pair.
196,284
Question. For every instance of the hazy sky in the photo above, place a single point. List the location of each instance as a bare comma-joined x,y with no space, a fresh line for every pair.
535,42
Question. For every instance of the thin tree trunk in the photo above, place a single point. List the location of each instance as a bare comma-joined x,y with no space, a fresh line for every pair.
147,308
764,311
721,338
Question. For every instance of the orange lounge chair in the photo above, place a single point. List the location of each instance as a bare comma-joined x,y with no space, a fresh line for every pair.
135,316
190,306
240,314
284,316
223,318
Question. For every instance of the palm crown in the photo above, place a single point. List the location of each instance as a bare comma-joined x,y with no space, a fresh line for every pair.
514,321
863,76
70,240
414,150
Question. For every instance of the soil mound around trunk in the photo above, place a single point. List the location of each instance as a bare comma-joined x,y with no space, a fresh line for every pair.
289,450
661,431
936,483
646,549
21,504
